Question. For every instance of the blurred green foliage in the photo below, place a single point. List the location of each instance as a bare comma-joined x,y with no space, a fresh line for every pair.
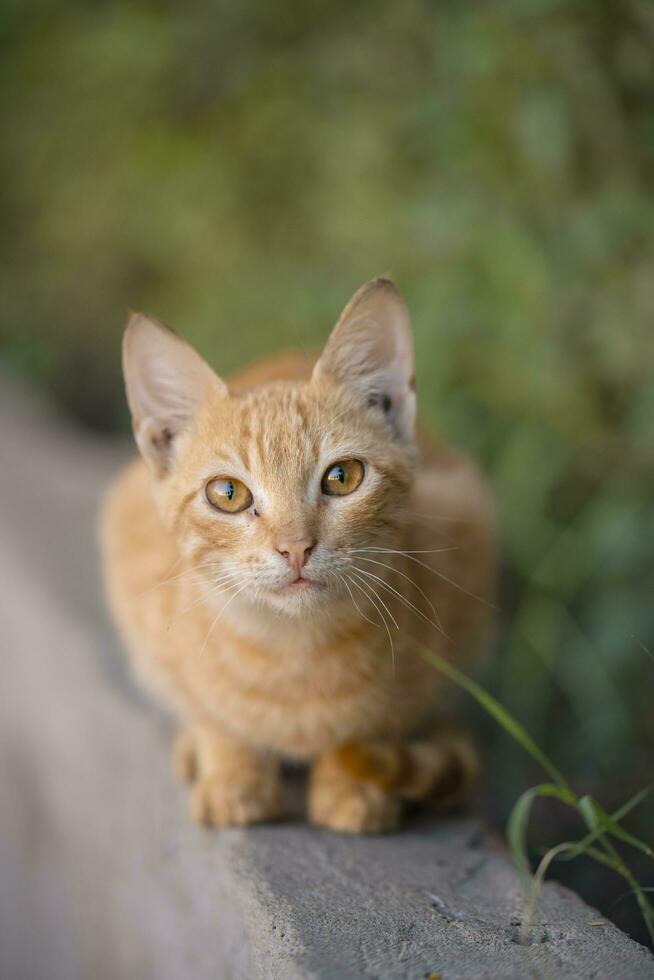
239,168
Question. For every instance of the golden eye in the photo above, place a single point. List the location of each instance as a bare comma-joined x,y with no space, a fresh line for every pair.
342,478
227,494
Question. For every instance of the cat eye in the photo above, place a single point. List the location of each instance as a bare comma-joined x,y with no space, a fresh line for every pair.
342,478
227,494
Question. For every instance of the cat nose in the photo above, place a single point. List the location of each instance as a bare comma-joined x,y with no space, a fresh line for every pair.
296,552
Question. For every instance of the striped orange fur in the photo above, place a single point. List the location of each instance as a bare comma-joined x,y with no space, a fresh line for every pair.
288,629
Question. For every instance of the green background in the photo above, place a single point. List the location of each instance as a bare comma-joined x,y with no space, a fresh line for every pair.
239,168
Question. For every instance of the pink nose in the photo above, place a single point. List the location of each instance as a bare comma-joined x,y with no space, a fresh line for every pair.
296,552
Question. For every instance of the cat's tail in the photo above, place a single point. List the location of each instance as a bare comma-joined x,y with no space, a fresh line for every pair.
442,768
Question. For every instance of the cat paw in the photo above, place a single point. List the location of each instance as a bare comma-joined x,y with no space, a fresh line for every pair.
352,807
218,802
460,772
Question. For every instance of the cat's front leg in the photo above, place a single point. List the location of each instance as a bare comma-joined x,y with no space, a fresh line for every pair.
359,787
344,797
232,784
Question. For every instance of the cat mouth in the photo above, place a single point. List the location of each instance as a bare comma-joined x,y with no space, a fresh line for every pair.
301,583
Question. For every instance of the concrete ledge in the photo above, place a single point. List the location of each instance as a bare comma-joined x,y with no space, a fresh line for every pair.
102,874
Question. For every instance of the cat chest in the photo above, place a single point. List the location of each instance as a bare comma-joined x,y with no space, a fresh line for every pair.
302,705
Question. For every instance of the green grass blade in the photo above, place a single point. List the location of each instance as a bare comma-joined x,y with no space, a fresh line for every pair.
536,887
599,823
518,822
614,828
582,846
611,857
501,715
621,898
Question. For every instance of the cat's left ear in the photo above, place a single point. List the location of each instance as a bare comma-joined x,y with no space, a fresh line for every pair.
167,381
370,350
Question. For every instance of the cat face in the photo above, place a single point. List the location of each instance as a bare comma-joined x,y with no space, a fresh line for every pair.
270,492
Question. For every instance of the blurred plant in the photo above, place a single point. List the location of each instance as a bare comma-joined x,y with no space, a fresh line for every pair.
601,826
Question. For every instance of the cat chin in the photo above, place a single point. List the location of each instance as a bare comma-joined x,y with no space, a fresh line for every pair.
299,602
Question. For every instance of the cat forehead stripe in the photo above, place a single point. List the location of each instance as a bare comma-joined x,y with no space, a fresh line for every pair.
267,440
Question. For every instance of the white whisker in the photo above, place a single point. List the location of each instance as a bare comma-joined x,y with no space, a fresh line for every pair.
212,592
193,570
411,557
415,586
203,599
356,605
359,572
211,628
326,425
406,602
383,619
393,551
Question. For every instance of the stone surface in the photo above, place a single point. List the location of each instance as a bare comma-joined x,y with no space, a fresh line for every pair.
101,873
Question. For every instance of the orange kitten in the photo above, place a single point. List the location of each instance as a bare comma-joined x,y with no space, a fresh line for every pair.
276,554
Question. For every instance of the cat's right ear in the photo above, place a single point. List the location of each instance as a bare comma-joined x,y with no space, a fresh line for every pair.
370,350
167,382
